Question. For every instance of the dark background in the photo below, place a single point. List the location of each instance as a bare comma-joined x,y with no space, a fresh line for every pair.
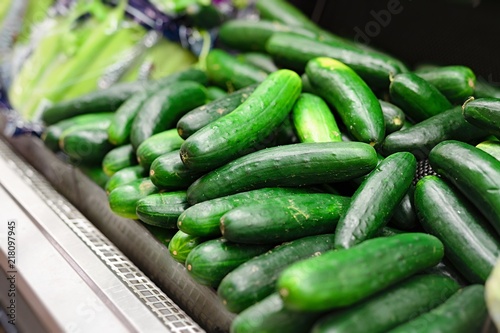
442,32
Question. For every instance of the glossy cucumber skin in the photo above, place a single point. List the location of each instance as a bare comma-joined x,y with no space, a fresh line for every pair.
168,172
284,12
249,124
469,240
261,60
203,219
464,312
425,135
164,108
87,146
314,121
210,261
118,158
390,308
291,165
375,200
491,147
162,209
418,98
394,117
123,199
343,277
181,245
205,114
474,172
356,104
484,113
124,176
255,279
157,145
278,220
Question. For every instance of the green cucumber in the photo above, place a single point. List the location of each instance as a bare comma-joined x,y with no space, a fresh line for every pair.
95,173
306,84
291,165
469,240
214,93
261,60
390,308
278,220
181,244
248,125
88,146
123,199
445,268
227,72
212,260
343,277
157,145
168,172
164,108
423,136
491,147
388,231
124,176
162,209
405,217
163,235
464,312
474,172
205,114
356,104
284,12
418,98
375,200
203,219
313,120
394,117
483,113
118,158
255,279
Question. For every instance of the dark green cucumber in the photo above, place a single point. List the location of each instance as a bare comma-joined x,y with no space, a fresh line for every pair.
464,312
52,133
295,51
423,136
210,261
284,12
391,307
357,105
118,158
87,146
164,108
109,100
456,83
124,176
157,145
484,113
474,172
313,120
205,114
163,235
291,165
270,315
394,117
491,147
468,239
256,279
418,98
278,220
227,72
375,200
261,60
388,231
203,219
123,199
162,209
248,125
486,89
96,174
214,93
343,277
168,172
181,244
405,217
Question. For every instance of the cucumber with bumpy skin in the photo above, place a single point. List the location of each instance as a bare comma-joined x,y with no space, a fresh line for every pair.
88,146
157,145
483,113
181,245
123,199
168,172
124,176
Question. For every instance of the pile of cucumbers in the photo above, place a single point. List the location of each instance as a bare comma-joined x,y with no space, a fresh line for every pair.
316,184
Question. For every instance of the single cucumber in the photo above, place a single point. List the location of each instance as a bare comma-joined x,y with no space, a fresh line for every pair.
468,239
356,104
227,72
95,173
203,219
278,220
391,307
491,147
162,209
423,136
118,158
343,277
474,172
284,12
214,93
394,117
123,199
256,279
181,244
249,124
313,120
464,312
291,165
168,172
98,125
124,176
418,98
205,114
157,145
87,146
261,60
210,261
484,113
375,200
